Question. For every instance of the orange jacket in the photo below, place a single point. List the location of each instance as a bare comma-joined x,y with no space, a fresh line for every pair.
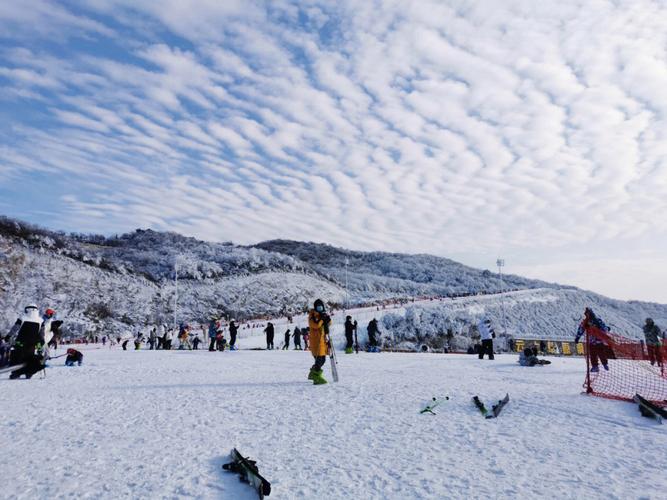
317,340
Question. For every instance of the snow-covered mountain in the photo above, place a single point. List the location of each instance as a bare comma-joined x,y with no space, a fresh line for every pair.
118,283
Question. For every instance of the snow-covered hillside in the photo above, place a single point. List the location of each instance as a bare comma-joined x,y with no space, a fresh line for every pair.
118,284
548,314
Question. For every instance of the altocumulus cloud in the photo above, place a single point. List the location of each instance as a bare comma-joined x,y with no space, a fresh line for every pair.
533,129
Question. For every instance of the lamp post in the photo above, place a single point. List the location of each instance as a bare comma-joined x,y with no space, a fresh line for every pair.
500,263
176,293
347,261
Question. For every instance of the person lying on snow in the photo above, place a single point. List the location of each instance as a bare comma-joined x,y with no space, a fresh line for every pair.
73,356
528,358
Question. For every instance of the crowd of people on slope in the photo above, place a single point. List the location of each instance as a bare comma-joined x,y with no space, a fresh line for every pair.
28,343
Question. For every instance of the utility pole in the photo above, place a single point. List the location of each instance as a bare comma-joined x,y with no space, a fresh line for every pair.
500,263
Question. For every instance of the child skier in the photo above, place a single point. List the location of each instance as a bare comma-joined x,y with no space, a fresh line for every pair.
596,332
318,326
220,340
73,356
287,336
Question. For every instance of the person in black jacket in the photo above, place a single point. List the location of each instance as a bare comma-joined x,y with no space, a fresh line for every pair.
269,330
372,331
28,340
287,336
349,334
233,330
297,338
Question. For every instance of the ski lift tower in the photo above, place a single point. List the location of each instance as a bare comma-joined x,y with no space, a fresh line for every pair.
501,263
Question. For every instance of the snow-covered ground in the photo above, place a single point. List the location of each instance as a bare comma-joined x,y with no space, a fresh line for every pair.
156,424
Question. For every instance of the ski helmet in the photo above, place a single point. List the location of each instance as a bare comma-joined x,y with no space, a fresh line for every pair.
30,306
649,321
50,313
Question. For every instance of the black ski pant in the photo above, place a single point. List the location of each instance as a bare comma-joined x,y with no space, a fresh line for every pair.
125,345
348,341
232,339
654,354
319,363
286,346
160,342
598,354
269,340
487,348
211,346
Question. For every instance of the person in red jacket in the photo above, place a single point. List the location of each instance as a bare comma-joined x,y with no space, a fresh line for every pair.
73,356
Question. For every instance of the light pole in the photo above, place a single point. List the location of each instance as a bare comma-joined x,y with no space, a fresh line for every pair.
176,293
347,261
500,263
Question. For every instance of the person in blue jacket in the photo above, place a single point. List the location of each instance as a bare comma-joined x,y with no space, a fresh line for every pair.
212,333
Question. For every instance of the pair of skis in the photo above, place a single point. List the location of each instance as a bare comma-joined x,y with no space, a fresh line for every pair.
649,409
495,409
248,473
435,402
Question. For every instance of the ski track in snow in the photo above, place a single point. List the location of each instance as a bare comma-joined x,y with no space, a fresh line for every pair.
156,424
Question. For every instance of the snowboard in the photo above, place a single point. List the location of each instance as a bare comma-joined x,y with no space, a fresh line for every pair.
650,410
247,469
7,369
498,407
333,362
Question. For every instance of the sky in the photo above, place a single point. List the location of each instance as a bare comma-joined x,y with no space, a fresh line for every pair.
531,131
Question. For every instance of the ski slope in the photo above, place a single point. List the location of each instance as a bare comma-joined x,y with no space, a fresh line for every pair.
160,424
